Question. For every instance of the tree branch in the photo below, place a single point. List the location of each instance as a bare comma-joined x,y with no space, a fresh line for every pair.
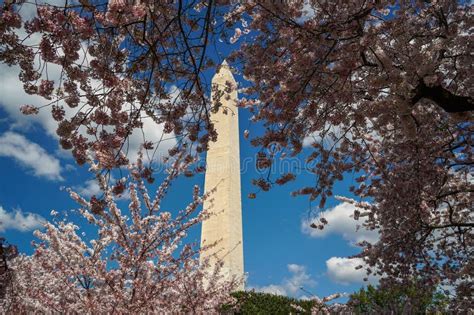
445,99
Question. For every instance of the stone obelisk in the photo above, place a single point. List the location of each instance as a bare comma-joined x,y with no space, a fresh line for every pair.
223,173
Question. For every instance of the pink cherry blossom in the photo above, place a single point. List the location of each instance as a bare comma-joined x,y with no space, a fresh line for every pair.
29,109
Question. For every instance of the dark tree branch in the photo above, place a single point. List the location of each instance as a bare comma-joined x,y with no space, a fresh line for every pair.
454,224
445,99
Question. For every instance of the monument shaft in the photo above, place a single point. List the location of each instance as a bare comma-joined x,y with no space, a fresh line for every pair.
223,173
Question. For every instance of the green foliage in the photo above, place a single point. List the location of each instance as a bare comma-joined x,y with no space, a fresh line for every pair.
413,298
250,302
398,299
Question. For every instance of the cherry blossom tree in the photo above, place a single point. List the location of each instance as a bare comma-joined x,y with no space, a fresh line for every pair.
121,63
134,262
380,91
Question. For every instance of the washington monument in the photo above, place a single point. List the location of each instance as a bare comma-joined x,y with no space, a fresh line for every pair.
223,172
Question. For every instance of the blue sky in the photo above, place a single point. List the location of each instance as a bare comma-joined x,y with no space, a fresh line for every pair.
281,252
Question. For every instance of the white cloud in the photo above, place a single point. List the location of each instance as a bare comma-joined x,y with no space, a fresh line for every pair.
88,189
13,96
341,222
91,188
326,135
150,132
332,133
154,133
340,219
290,286
11,89
19,221
298,280
343,270
30,155
308,12
275,289
28,9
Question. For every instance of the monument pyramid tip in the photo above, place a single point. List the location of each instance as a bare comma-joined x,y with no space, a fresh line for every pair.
225,65
227,72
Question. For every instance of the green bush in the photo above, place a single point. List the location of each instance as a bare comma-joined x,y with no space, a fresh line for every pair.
411,298
250,302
